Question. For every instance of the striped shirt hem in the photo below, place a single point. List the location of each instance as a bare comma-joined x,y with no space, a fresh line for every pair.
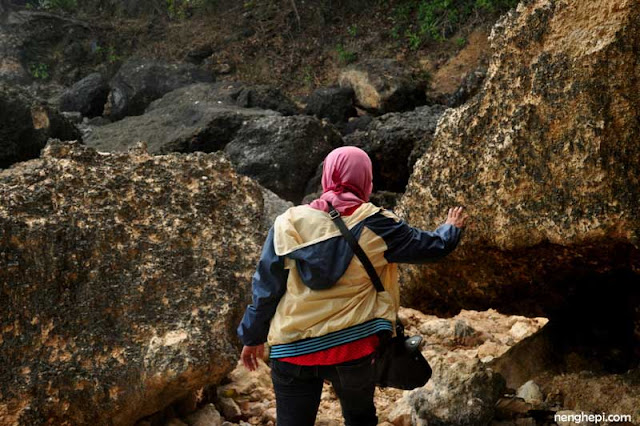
336,338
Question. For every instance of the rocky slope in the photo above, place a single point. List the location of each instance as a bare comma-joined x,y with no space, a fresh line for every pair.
457,348
122,278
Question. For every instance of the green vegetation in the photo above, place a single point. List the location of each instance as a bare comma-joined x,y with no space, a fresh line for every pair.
307,75
414,40
352,30
108,54
422,21
345,56
39,71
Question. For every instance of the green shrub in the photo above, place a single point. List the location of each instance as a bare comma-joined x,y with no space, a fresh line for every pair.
39,71
437,20
345,56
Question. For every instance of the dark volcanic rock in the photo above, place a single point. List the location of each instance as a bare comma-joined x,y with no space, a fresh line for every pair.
394,142
26,124
333,103
123,277
357,123
178,127
282,153
232,94
199,54
31,43
139,82
547,160
383,85
87,96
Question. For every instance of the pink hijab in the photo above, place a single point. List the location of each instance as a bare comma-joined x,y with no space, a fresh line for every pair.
346,179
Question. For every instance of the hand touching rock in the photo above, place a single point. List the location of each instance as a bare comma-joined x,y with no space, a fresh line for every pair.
457,217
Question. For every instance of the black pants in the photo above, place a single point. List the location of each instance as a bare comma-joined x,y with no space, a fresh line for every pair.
298,389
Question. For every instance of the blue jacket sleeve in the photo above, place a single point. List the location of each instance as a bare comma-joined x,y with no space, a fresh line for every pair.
268,285
406,244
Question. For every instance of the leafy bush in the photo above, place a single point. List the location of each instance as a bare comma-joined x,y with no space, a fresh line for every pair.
437,20
39,71
345,56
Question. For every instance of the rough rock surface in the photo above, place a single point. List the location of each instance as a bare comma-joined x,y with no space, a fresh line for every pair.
458,394
470,85
333,103
122,277
383,85
232,93
26,124
139,82
32,39
583,391
87,96
185,122
282,153
394,142
546,159
274,206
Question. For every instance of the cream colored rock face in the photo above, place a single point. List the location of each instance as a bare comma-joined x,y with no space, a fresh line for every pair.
545,158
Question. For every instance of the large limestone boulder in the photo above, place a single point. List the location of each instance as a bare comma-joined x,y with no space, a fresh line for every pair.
123,277
139,82
282,153
25,125
546,159
384,85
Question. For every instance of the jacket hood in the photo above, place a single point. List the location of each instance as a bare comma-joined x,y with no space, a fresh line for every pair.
312,240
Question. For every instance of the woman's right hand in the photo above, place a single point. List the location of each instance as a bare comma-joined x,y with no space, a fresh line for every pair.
457,217
251,355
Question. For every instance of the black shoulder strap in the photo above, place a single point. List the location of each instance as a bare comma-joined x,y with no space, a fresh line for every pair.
335,216
364,259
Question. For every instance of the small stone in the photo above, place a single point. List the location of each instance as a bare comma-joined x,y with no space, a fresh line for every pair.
520,329
230,410
401,414
206,416
270,414
530,392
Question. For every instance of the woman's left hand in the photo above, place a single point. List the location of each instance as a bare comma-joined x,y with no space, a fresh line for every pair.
251,355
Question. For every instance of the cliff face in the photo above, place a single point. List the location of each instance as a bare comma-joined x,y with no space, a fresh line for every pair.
546,159
122,277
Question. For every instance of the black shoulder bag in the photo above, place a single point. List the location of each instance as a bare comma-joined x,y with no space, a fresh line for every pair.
399,362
